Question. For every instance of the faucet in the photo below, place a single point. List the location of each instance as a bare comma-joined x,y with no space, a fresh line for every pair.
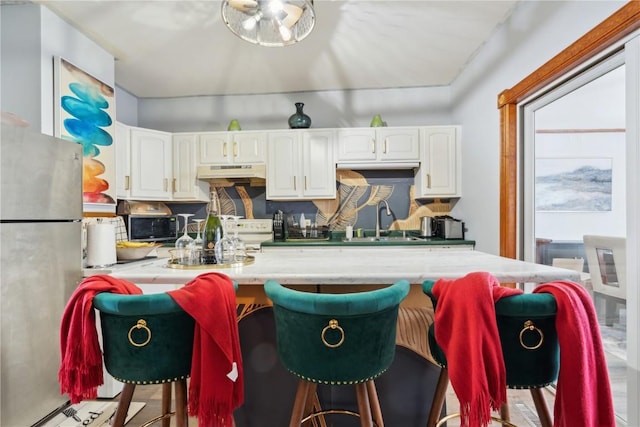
378,210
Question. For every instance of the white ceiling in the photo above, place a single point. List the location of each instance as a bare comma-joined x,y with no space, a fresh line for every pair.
182,48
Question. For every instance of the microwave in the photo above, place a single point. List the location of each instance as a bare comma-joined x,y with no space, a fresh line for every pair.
152,228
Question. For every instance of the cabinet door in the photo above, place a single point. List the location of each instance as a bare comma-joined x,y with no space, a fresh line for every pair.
223,148
439,172
123,161
398,144
249,147
150,164
318,165
215,149
185,185
356,144
283,165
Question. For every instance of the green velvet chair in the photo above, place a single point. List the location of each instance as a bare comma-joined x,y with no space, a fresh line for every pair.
336,339
147,339
526,324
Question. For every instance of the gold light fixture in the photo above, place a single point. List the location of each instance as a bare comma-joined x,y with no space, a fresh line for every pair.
269,22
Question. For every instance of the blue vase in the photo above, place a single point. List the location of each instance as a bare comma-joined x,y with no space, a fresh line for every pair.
299,120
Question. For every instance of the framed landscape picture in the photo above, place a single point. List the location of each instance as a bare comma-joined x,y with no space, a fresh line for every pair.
85,113
573,184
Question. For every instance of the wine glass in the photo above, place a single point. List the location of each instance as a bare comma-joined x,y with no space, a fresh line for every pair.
224,249
238,244
196,245
198,240
184,242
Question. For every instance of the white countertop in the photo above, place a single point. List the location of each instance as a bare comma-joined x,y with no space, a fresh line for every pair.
342,265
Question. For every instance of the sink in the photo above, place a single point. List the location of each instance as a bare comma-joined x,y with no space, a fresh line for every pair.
382,239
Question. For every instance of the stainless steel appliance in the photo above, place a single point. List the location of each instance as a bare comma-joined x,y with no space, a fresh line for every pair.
446,227
425,227
152,228
40,243
148,221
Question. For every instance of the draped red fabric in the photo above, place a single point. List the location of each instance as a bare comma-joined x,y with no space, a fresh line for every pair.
80,371
217,381
466,330
583,391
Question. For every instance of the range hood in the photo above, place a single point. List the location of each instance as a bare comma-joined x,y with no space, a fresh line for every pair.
377,165
248,171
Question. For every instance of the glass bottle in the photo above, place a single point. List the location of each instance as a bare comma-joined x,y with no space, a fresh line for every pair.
212,231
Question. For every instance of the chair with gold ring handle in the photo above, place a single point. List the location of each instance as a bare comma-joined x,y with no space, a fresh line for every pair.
336,340
526,325
147,339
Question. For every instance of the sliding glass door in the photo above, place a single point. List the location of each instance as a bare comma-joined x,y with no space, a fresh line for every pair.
576,202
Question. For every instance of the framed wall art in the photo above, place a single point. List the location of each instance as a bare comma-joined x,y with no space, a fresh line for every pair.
85,113
573,184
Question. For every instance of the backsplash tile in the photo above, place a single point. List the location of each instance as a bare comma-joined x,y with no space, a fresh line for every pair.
358,194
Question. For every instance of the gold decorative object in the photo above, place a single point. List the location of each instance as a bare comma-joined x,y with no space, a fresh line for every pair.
175,263
142,324
529,326
333,324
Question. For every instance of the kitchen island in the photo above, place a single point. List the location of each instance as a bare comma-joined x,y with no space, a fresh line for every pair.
407,388
344,265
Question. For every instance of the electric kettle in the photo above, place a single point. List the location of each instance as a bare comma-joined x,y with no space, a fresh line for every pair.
425,226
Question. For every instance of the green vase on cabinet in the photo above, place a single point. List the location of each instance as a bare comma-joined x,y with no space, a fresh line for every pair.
299,120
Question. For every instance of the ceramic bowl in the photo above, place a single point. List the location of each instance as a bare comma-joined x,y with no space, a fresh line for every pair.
131,253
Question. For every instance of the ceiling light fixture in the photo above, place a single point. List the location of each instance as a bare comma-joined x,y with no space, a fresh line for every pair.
269,22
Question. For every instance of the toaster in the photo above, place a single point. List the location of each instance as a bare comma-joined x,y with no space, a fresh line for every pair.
446,227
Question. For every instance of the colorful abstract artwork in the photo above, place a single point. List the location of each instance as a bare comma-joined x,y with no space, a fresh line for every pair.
85,114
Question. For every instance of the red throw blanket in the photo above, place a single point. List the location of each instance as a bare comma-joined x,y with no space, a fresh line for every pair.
466,330
216,386
80,371
583,393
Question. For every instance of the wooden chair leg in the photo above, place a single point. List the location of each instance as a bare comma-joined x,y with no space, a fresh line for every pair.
364,406
541,407
439,398
374,403
166,404
182,416
299,404
123,405
310,406
504,411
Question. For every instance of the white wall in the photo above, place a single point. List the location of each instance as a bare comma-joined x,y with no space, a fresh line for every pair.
27,62
19,56
536,32
126,107
327,109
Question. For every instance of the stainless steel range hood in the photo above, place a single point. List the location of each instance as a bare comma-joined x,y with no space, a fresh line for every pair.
232,172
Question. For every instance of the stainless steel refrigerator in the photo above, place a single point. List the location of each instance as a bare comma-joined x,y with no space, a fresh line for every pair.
41,265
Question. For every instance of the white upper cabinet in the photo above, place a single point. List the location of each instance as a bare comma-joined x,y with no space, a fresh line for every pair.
123,161
237,147
440,171
155,165
151,168
378,145
301,165
185,185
